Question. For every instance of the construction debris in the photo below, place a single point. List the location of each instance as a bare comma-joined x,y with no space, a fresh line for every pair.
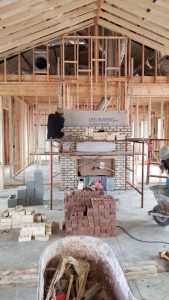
140,270
21,276
164,254
71,281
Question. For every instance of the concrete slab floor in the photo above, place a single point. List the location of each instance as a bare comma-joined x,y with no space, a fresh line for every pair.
14,255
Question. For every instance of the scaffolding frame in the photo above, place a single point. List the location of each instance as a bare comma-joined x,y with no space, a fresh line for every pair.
131,169
152,154
51,164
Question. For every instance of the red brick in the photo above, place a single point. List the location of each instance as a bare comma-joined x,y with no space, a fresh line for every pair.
80,230
107,207
97,229
80,214
91,225
68,223
96,234
72,218
103,235
69,229
85,222
95,208
86,230
101,208
90,219
75,232
91,231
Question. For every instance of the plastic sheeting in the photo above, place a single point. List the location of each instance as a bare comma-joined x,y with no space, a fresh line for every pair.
95,147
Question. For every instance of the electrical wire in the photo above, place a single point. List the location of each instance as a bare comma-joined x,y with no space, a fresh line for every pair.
142,241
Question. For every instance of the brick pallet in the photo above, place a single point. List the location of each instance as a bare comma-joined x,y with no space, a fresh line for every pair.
90,213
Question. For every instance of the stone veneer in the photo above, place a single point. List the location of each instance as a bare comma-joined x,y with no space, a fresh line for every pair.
69,165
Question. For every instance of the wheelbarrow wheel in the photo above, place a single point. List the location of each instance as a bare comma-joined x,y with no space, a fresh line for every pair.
162,221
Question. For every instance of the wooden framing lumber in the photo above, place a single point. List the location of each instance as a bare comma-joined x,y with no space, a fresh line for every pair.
1,145
132,23
135,19
134,36
48,38
154,17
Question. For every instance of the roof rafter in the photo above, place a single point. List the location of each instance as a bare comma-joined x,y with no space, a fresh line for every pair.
133,28
44,16
133,8
27,23
47,39
48,25
134,19
143,40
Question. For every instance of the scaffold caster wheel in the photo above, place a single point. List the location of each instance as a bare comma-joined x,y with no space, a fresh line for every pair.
162,221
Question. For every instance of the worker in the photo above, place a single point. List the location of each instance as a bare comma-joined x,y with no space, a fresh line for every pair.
164,157
55,124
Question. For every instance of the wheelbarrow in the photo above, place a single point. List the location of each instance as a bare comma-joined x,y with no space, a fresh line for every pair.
96,252
160,212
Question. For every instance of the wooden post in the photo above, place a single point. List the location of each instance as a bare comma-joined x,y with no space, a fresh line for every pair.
137,119
11,136
125,57
142,63
129,57
105,71
58,66
19,66
48,65
33,56
49,105
131,66
5,71
162,117
1,145
63,57
96,53
155,71
51,174
76,58
36,125
149,117
91,77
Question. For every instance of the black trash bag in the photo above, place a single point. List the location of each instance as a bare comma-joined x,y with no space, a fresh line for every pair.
55,125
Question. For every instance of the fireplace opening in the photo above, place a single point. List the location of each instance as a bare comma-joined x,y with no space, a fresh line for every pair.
92,169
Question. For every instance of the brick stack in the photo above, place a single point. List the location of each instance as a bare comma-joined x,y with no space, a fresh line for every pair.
32,225
90,213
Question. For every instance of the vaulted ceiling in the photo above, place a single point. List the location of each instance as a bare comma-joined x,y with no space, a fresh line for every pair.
27,23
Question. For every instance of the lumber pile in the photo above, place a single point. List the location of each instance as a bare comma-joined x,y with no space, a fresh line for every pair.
133,271
22,276
140,270
90,213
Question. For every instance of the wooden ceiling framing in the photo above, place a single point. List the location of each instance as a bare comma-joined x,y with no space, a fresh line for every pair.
28,23
144,21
